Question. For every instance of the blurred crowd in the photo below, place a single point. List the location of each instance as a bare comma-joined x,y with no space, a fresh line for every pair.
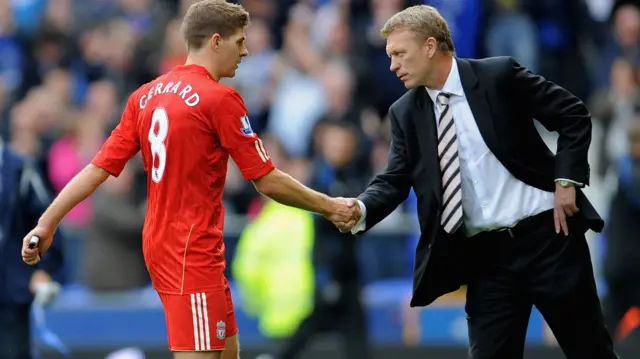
317,86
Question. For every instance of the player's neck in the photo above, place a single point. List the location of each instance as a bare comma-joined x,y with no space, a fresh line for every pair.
194,59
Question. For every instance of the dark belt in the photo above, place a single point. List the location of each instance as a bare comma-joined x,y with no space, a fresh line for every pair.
526,225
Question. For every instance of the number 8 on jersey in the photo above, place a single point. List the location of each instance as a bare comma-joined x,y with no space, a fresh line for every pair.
156,140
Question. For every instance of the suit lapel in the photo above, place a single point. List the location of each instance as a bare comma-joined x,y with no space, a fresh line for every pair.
426,132
477,99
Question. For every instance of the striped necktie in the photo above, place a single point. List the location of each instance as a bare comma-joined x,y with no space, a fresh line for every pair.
449,167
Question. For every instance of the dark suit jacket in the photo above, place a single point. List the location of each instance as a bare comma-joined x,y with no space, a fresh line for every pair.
504,98
22,200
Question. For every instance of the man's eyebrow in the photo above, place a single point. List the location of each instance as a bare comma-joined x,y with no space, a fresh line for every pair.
392,52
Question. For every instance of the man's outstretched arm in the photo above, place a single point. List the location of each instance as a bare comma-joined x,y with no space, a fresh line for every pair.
119,148
78,189
387,190
284,189
247,150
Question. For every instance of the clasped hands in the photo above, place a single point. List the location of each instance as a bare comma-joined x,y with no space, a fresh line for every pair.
344,213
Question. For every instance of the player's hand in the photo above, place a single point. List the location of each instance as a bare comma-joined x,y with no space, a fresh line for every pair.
32,256
347,214
564,206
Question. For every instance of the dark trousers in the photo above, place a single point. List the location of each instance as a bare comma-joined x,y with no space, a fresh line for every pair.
532,265
345,317
15,331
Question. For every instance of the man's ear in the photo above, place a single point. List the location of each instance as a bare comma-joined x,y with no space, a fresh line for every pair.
432,46
215,41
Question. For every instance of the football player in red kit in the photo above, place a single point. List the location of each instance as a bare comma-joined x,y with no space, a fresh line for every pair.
186,125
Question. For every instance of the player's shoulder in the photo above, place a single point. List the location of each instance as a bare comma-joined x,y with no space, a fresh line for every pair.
223,94
143,89
222,90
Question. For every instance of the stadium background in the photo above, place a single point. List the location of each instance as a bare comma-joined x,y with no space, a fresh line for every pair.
317,87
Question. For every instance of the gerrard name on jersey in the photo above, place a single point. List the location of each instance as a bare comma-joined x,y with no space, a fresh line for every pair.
184,91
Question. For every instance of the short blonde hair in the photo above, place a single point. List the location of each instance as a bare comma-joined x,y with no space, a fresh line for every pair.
208,17
425,21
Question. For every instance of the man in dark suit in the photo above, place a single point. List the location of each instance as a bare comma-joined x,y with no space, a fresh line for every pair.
498,210
23,198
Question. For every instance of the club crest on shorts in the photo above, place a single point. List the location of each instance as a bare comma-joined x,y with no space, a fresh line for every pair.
221,330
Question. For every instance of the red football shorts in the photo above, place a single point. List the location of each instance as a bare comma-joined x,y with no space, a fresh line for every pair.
199,321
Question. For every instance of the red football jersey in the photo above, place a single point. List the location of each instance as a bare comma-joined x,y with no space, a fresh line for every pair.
185,124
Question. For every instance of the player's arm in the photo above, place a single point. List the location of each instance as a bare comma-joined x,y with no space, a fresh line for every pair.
252,159
76,191
284,189
110,160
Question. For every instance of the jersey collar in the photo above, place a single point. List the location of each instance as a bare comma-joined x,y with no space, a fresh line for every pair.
194,68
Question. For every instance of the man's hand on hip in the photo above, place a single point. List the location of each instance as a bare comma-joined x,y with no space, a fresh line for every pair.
564,206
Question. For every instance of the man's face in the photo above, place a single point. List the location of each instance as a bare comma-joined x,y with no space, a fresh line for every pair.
231,50
410,56
627,25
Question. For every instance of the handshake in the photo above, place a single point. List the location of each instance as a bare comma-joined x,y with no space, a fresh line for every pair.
345,213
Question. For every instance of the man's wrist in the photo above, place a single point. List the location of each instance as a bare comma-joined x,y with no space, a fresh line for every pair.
326,205
360,225
564,183
46,224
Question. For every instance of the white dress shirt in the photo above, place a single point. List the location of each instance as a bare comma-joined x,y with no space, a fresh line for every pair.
491,196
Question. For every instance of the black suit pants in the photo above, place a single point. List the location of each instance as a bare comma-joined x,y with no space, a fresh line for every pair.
345,317
15,331
532,265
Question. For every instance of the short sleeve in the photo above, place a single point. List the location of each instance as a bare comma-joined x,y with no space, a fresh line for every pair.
237,137
122,144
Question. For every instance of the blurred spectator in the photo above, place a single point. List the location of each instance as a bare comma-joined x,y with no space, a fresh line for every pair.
614,107
624,40
275,251
298,101
174,53
622,261
338,304
512,32
12,60
382,87
252,78
101,104
112,253
68,155
338,84
23,198
465,19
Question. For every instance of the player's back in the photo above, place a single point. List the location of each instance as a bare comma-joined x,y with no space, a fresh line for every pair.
186,167
186,125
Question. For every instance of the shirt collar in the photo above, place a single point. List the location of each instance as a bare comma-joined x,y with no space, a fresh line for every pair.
194,68
453,85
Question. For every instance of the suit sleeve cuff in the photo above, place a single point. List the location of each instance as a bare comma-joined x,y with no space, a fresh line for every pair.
578,184
361,225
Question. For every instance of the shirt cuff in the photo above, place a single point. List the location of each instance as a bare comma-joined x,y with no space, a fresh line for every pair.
361,225
578,184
